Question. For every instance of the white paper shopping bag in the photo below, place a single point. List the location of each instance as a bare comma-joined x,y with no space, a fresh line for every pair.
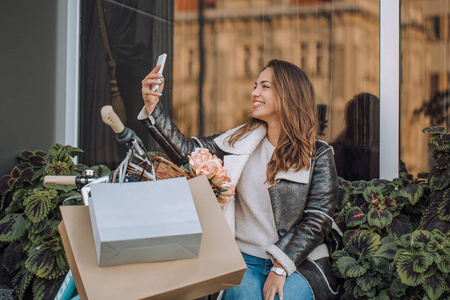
144,221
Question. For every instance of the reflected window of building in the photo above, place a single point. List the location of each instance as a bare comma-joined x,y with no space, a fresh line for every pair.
319,59
434,84
436,27
247,57
191,62
261,57
304,54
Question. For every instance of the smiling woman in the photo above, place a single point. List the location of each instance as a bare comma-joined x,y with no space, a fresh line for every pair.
286,184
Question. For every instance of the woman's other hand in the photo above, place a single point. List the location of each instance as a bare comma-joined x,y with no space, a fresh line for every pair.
274,285
150,97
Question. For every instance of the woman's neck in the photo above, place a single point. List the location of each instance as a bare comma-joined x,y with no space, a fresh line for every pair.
273,133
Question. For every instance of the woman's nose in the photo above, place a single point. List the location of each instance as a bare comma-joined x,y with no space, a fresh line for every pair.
255,92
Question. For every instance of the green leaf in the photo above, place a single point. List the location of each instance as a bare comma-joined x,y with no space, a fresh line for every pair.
12,227
388,203
441,160
20,282
17,201
421,262
339,253
434,286
336,271
436,129
444,263
379,218
436,257
397,288
381,265
13,256
382,295
400,225
367,282
348,234
37,207
358,190
413,192
444,207
422,236
432,246
387,250
349,287
100,170
354,217
46,289
417,246
446,247
46,263
439,179
365,244
430,272
406,271
423,174
372,193
349,267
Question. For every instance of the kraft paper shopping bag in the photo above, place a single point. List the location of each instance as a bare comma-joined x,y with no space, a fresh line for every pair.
219,266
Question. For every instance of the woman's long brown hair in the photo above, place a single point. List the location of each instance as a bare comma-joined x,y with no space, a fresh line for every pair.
296,111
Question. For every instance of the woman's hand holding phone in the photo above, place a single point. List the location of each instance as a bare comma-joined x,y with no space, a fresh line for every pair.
149,93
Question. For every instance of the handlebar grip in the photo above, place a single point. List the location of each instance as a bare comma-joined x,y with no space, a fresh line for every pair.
59,180
110,118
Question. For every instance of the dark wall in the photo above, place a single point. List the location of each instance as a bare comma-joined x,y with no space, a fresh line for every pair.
27,77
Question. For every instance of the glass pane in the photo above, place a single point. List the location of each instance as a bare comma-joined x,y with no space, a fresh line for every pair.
137,31
220,46
425,77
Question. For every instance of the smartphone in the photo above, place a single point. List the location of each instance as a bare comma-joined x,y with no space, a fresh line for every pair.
161,62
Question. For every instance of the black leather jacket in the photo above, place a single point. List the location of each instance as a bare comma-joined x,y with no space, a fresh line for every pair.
302,211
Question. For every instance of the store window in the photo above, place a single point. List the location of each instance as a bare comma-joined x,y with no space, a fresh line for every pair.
217,49
425,79
335,42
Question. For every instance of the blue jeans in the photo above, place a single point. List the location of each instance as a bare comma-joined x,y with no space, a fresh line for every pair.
255,276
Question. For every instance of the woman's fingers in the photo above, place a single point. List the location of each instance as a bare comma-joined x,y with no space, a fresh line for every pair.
149,96
153,73
147,86
280,294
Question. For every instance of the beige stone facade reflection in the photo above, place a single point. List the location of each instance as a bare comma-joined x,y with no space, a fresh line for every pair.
425,67
335,42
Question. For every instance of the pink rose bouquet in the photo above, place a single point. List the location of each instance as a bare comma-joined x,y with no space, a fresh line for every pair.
202,162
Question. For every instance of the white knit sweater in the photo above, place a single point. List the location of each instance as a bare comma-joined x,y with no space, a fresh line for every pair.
255,226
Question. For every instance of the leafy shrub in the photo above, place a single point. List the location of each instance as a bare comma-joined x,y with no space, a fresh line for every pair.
29,219
396,233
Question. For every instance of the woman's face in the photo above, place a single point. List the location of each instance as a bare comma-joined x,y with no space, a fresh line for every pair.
264,97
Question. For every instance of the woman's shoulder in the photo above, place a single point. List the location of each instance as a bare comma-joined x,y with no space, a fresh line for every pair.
322,147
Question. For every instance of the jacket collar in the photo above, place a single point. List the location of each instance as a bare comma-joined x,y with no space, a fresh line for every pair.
243,146
246,146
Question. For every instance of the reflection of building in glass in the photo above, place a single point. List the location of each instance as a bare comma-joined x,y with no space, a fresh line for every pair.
335,42
425,72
